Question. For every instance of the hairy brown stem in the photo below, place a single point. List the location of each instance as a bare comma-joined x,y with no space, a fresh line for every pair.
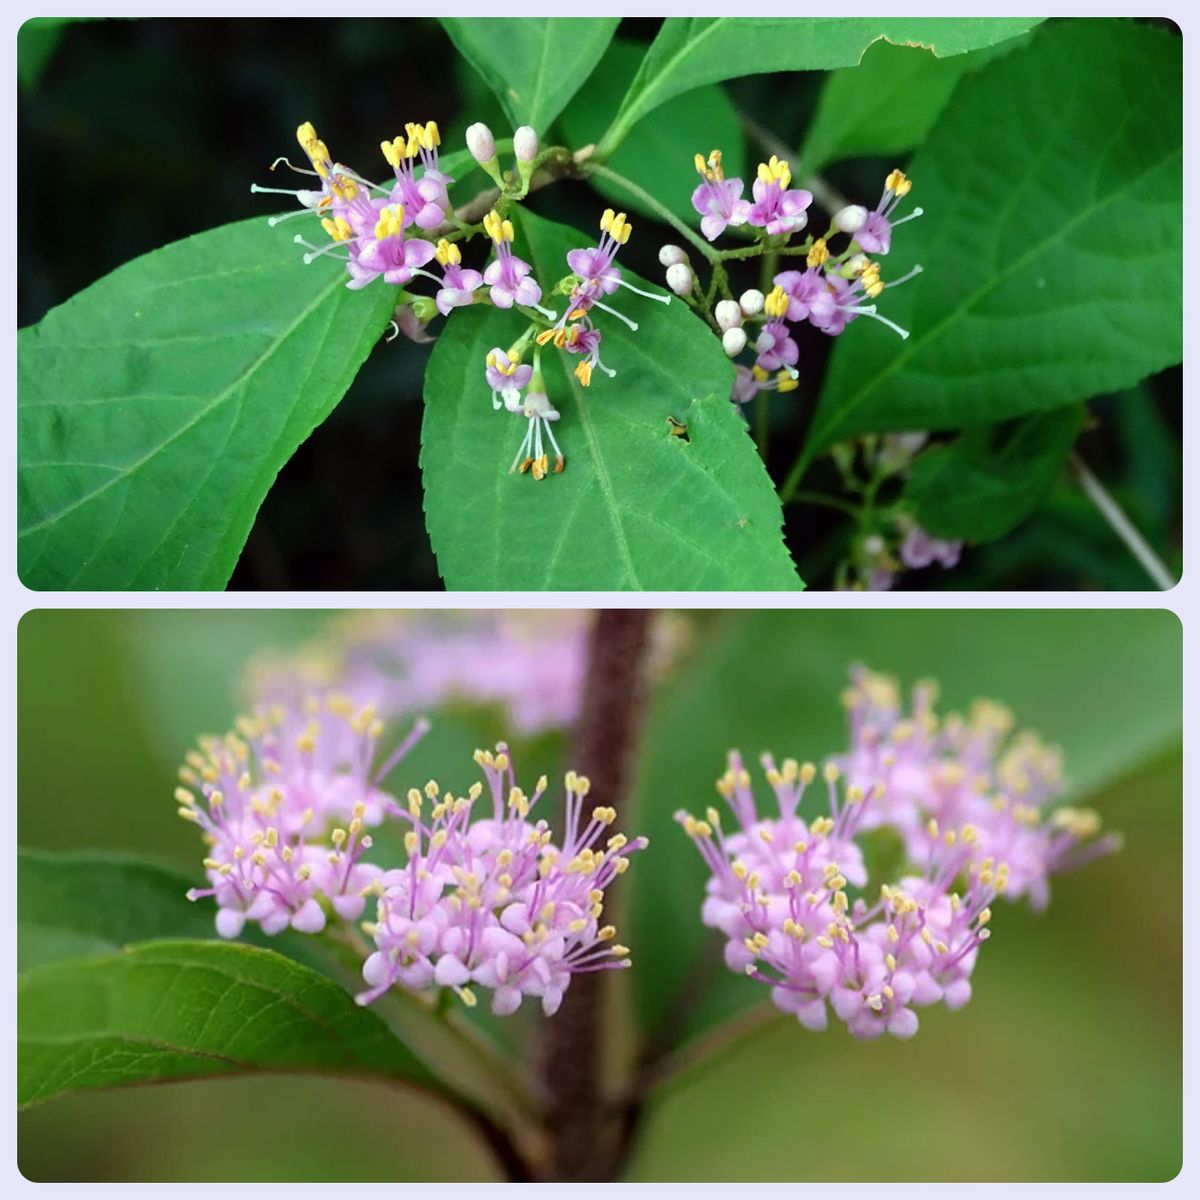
578,1120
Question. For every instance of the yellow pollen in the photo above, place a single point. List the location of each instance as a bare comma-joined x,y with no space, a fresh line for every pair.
775,305
818,254
583,372
898,182
497,228
391,221
616,226
775,171
448,253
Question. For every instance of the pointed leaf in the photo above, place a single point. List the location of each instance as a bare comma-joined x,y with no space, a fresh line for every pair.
690,51
533,64
190,1010
636,506
1052,246
156,407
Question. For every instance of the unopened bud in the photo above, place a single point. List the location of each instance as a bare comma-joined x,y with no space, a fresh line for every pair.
481,144
751,302
728,314
679,279
525,145
424,307
734,341
850,219
671,255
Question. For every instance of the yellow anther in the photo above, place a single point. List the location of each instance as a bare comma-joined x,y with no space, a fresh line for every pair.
391,221
832,772
898,182
618,951
412,843
818,254
893,934
449,254
775,305
775,171
616,226
583,372
338,837
890,960
498,229
606,934
606,816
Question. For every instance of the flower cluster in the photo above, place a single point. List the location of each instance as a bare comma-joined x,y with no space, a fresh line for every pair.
493,901
377,228
966,796
285,803
833,289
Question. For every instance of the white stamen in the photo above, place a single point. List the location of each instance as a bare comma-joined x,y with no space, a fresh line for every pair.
891,283
300,212
548,313
869,310
395,333
299,170
620,316
916,212
641,292
550,434
257,187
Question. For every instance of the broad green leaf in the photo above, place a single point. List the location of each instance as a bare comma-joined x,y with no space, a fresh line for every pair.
659,151
1052,246
636,506
533,64
986,482
691,51
1105,686
190,1010
888,103
91,902
156,407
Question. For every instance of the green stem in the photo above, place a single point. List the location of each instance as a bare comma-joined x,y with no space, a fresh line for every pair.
1121,525
663,213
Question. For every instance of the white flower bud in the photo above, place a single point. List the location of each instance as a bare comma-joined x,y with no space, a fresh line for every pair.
853,267
850,219
734,341
525,144
751,302
679,279
670,255
728,314
481,143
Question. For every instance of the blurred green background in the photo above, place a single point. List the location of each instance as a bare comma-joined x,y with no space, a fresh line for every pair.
1065,1066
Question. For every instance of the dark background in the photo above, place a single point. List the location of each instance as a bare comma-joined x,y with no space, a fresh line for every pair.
160,127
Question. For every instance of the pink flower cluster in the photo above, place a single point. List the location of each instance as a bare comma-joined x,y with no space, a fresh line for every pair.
966,796
494,901
285,803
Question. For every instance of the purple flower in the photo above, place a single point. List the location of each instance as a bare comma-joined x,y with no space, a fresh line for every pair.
283,803
802,288
491,900
776,208
508,276
920,549
717,199
507,377
387,252
584,339
776,347
427,199
875,233
749,381
459,283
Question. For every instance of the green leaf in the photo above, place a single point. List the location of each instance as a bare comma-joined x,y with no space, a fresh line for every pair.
190,1010
985,483
658,153
691,51
636,506
156,407
90,902
1105,686
888,103
533,64
1052,246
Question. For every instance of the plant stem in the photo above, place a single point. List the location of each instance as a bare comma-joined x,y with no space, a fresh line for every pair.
1121,525
824,501
663,213
583,1143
